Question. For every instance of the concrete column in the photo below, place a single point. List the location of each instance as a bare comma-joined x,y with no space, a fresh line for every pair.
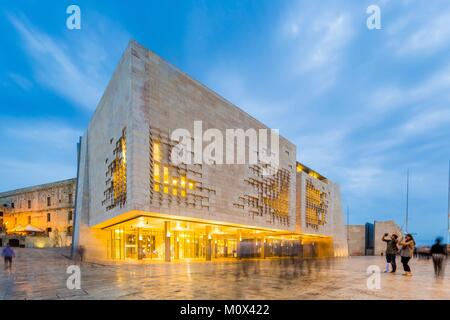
167,236
238,244
177,245
139,244
225,249
215,247
208,243
263,248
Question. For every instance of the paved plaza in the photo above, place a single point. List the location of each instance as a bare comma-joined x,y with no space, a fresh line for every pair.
41,274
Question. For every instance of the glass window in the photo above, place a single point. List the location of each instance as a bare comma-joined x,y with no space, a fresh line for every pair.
166,175
156,152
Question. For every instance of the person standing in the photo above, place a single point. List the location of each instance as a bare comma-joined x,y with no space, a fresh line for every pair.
438,253
391,251
406,252
8,254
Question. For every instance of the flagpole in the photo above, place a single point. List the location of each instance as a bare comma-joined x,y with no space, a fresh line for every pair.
407,200
448,205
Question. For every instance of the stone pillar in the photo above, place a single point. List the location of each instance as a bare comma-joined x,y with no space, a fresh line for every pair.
263,248
208,243
225,248
139,244
176,239
167,236
238,244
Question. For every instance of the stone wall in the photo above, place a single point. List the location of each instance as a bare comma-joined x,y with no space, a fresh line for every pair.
332,223
357,240
165,99
31,206
145,101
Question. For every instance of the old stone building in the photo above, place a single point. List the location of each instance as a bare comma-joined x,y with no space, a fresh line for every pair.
47,209
134,202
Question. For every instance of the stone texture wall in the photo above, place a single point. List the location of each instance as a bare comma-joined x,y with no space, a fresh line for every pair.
151,98
165,99
29,206
357,240
112,116
382,227
334,223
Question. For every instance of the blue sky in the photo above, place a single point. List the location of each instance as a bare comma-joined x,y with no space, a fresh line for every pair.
361,105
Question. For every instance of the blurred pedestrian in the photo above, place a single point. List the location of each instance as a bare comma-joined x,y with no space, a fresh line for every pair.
406,252
81,252
8,254
391,251
439,254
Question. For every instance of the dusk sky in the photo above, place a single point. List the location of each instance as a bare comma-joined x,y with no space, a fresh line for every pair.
361,105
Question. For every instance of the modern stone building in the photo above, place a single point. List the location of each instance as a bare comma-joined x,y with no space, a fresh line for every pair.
366,239
48,208
135,202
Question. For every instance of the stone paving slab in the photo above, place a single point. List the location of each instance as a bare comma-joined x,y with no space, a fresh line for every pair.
41,274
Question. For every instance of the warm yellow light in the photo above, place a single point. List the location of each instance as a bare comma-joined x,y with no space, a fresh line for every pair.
166,175
156,176
156,187
191,185
183,181
183,193
314,174
175,191
156,152
166,189
174,182
40,244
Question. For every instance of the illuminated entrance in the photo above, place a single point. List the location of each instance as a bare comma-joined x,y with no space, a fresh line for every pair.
148,238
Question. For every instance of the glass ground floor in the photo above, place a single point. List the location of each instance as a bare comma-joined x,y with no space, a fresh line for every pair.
150,238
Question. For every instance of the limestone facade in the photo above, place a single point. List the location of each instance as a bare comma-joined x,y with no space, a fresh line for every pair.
49,207
357,240
125,168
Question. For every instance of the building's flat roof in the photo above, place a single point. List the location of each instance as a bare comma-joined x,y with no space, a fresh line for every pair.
37,187
303,168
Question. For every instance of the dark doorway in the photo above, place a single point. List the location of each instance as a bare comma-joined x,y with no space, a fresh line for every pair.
1,242
14,242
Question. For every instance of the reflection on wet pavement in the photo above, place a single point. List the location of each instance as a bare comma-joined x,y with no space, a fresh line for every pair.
41,274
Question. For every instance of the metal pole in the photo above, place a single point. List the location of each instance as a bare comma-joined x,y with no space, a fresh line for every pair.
448,205
407,200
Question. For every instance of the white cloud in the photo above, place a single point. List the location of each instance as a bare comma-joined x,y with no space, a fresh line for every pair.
21,81
76,67
39,151
319,37
44,134
423,31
